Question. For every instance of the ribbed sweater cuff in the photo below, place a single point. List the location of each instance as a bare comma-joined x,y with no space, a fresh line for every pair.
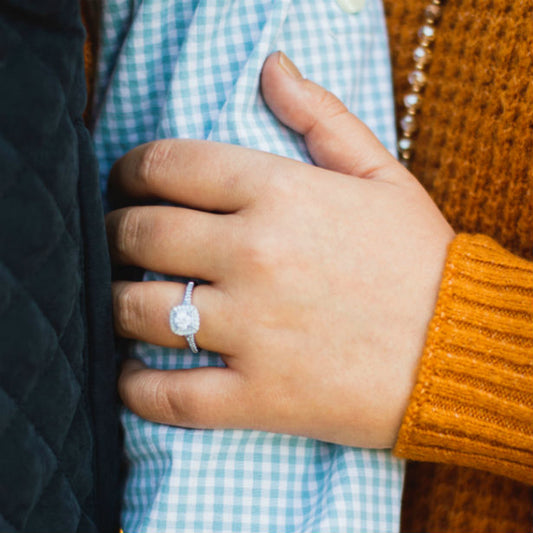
472,404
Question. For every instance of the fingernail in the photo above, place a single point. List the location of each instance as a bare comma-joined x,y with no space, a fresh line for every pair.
289,67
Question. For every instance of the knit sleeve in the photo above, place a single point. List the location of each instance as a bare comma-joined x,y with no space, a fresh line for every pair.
472,404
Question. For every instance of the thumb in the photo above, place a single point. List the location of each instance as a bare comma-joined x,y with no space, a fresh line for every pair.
207,397
335,138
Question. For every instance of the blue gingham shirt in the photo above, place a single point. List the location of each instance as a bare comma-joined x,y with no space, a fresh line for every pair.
190,69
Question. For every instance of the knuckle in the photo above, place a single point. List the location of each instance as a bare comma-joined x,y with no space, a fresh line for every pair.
259,252
329,106
284,184
147,395
128,232
326,107
183,406
163,399
128,310
154,158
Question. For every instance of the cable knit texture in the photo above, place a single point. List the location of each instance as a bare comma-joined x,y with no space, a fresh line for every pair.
472,406
473,403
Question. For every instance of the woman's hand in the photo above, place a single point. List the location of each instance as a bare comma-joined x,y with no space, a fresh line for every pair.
322,281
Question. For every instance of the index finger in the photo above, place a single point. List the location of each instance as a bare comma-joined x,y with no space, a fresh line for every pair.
204,175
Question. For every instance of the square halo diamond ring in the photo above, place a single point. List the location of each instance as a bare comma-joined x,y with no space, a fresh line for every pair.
184,318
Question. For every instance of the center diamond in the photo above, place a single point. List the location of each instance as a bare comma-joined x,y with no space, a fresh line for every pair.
184,320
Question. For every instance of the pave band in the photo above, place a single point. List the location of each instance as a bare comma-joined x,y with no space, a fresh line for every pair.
184,318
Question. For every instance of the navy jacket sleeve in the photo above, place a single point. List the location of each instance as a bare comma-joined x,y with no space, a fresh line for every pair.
59,439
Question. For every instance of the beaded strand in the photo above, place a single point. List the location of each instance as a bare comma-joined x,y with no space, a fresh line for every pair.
417,79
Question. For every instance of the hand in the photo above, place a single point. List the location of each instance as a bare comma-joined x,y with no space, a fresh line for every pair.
322,281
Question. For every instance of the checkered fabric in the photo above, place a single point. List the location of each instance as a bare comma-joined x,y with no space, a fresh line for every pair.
190,69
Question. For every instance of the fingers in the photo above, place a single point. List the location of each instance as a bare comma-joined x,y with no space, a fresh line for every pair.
170,240
224,178
336,139
200,174
198,398
141,311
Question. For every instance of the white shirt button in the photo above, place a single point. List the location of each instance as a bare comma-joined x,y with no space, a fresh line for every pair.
351,6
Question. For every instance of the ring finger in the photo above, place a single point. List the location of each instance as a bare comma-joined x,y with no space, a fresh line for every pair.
141,311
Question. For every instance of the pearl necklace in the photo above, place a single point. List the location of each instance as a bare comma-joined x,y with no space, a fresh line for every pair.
417,78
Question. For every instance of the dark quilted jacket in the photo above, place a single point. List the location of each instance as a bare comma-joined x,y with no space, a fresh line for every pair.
59,454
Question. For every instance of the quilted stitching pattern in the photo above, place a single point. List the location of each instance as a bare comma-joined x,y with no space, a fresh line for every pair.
49,445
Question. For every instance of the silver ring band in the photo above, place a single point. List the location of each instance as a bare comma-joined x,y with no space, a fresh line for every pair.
184,318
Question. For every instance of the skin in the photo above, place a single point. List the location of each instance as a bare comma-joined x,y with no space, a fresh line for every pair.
322,279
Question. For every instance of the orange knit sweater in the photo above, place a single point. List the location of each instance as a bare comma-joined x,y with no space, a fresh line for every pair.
472,407
473,402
